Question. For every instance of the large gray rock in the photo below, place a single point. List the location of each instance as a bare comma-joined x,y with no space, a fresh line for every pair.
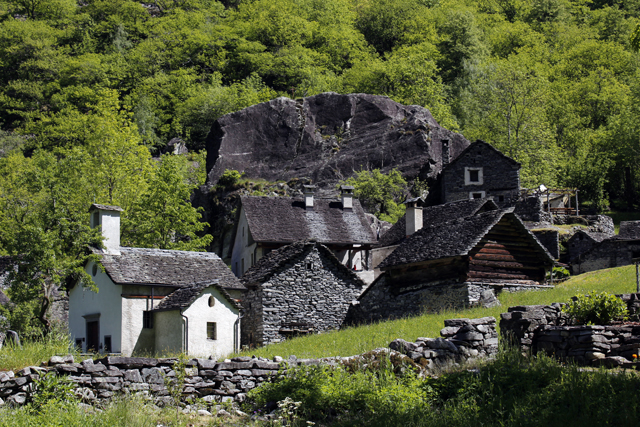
326,137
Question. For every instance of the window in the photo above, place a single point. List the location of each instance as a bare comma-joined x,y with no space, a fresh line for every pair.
252,263
212,331
107,343
309,266
501,198
476,195
79,344
473,176
212,300
96,219
94,270
147,319
242,265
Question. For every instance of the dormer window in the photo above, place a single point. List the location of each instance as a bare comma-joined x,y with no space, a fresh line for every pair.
473,176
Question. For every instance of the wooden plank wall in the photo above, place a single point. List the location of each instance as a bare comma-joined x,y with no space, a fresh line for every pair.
506,253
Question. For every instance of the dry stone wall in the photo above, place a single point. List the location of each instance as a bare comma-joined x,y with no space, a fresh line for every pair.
213,381
545,328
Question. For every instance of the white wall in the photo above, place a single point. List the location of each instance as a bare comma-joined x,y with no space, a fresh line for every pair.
240,248
134,337
83,301
168,326
223,313
110,223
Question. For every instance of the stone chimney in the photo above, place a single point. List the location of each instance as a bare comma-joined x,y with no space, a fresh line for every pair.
347,198
107,219
308,196
413,215
446,156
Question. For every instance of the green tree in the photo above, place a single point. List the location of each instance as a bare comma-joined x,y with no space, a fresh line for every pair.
164,217
380,193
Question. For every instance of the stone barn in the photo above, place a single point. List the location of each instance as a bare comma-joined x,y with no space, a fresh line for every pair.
480,171
300,288
583,241
455,264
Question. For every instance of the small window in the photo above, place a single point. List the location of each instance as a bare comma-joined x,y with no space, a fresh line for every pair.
212,301
107,343
242,265
79,344
309,266
94,270
473,176
236,269
96,219
501,198
477,195
147,319
212,331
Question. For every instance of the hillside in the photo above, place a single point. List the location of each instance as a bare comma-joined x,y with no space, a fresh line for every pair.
357,340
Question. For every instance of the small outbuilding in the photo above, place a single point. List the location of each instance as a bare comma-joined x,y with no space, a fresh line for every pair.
154,300
298,289
455,264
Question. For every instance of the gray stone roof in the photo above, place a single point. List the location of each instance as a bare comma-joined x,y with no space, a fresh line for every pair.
186,295
453,238
479,142
274,261
285,220
435,215
595,236
629,230
105,207
139,266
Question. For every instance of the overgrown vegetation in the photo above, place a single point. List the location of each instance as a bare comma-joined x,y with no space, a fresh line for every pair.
596,308
380,193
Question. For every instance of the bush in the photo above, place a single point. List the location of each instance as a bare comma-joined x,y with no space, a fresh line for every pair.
596,309
229,178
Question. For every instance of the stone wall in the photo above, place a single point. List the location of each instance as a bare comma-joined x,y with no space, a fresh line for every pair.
609,253
545,328
213,381
310,293
630,229
531,209
550,240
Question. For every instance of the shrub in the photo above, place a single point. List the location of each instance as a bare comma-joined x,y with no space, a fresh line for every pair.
229,178
594,308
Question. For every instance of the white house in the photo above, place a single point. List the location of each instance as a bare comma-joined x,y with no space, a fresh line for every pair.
268,223
153,300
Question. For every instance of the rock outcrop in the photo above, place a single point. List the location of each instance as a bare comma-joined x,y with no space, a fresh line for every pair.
326,138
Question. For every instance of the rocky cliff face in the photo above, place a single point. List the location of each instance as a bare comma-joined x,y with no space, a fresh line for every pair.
326,138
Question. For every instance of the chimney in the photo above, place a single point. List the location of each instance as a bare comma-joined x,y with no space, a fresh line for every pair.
446,156
413,215
347,198
308,196
107,219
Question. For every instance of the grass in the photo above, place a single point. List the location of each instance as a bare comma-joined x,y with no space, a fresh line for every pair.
32,353
618,216
357,340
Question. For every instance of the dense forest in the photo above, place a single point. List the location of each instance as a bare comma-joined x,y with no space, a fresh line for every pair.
92,90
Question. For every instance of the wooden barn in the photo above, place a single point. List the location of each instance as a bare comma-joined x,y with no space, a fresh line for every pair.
455,264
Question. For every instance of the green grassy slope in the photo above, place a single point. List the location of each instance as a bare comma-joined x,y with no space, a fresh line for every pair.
351,341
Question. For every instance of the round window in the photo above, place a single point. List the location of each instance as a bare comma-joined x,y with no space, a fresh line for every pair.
212,301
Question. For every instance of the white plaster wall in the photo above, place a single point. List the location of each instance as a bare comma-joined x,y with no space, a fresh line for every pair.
240,249
110,223
134,337
168,332
223,313
356,258
107,302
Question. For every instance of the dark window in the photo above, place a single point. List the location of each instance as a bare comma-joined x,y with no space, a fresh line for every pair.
107,343
309,266
501,198
477,195
147,319
79,344
212,331
94,270
474,176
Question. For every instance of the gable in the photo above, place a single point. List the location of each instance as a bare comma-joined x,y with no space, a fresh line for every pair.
481,152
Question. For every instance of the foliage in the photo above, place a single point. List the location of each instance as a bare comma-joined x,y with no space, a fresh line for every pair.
380,193
229,178
52,389
560,273
596,308
163,217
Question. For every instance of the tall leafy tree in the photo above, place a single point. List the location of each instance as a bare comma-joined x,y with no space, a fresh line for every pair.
380,193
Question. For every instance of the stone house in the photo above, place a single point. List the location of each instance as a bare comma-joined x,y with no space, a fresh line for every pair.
582,241
615,251
455,264
268,223
480,171
153,300
297,289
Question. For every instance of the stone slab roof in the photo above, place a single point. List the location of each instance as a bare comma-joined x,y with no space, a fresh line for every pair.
450,239
105,207
271,263
186,295
435,215
285,220
593,235
481,142
139,266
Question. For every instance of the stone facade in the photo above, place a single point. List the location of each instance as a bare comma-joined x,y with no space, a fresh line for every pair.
308,293
481,171
230,380
550,240
613,252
